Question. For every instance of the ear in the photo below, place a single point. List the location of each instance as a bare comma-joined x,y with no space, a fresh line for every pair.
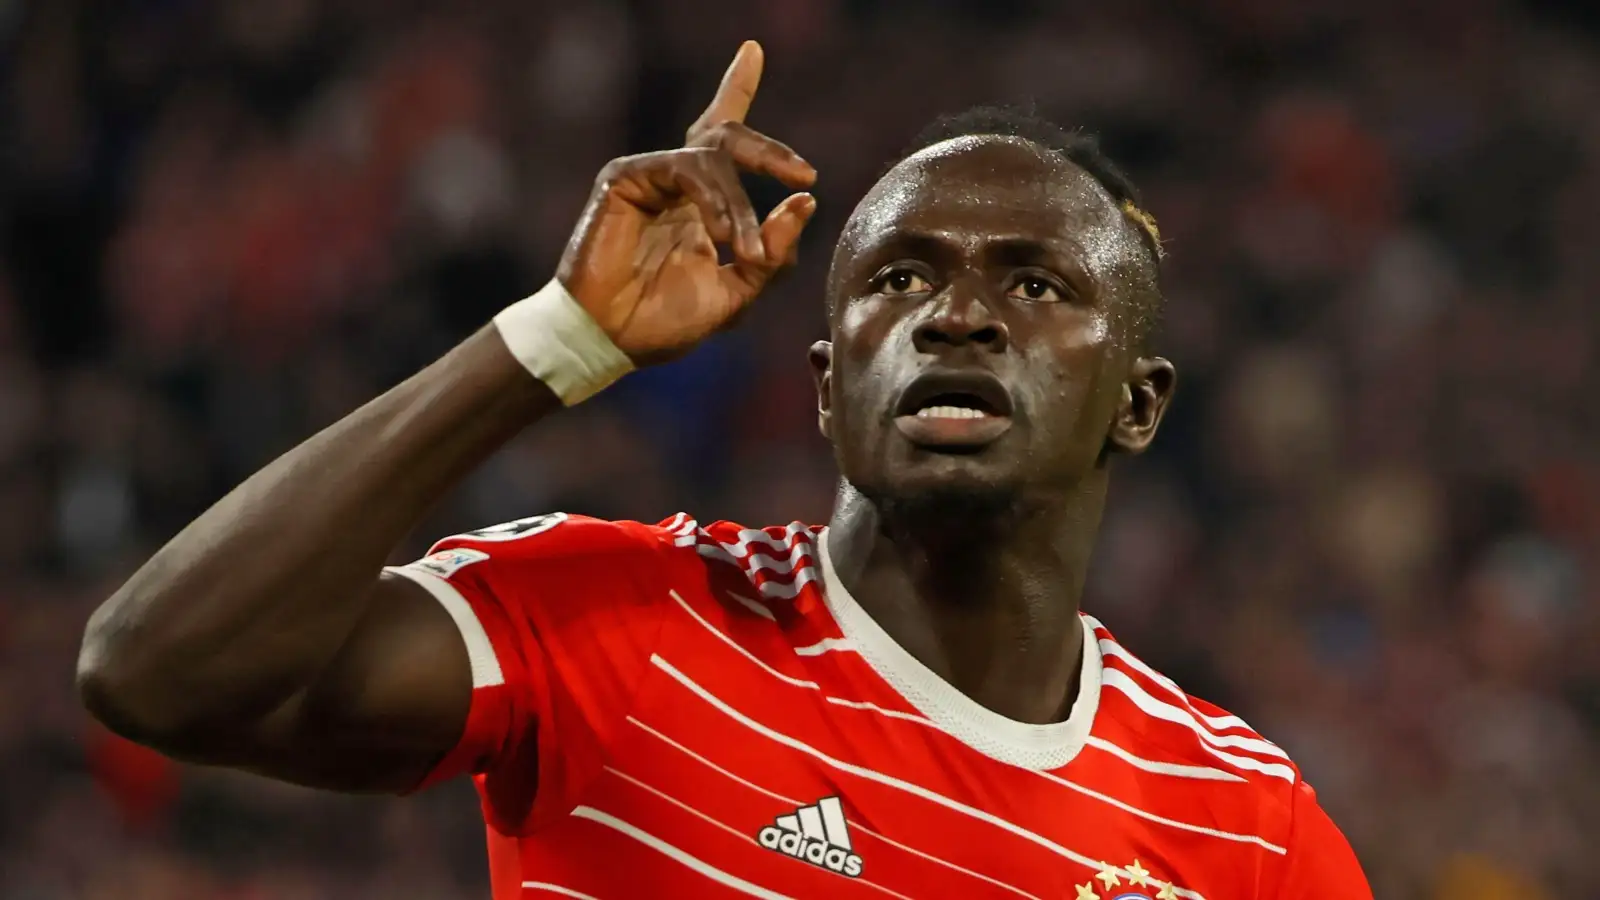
821,357
1145,398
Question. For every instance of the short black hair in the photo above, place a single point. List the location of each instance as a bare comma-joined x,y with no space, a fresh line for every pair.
1077,146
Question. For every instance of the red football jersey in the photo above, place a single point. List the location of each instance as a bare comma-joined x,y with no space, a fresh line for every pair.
687,711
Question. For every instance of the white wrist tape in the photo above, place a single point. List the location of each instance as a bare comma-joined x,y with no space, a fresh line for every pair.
561,344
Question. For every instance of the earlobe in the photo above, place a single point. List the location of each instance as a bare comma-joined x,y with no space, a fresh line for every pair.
821,357
1145,398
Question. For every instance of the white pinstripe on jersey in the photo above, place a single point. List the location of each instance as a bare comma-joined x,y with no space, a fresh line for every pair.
1095,866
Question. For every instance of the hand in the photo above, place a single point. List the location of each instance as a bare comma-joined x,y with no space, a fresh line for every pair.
643,258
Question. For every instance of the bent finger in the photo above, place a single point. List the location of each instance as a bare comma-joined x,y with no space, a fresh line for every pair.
656,181
756,152
746,237
717,210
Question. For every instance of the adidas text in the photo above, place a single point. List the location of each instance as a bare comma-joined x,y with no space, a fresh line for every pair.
816,834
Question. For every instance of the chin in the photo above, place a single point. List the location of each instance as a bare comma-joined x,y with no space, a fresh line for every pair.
952,489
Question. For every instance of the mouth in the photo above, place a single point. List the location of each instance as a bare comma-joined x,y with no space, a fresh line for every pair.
954,411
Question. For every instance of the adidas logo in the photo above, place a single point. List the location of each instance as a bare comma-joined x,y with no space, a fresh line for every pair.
816,834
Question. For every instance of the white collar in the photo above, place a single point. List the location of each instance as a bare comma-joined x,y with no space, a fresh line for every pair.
1041,747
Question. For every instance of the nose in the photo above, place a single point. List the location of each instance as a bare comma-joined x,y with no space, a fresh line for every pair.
959,317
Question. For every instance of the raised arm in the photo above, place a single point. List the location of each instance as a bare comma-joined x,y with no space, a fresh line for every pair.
264,636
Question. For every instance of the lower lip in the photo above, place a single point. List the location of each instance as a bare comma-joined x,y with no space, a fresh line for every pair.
952,433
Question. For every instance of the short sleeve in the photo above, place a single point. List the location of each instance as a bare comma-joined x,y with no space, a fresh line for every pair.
560,615
1320,863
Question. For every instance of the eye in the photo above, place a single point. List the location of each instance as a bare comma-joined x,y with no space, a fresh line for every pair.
901,281
1036,289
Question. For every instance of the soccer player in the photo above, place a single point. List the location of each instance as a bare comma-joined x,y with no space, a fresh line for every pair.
906,702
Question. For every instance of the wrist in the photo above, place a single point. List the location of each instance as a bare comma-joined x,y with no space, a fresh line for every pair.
560,344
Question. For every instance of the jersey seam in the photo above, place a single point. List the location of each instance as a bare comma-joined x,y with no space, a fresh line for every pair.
1281,871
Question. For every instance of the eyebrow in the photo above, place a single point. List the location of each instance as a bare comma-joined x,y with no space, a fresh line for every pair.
1019,251
1061,256
899,244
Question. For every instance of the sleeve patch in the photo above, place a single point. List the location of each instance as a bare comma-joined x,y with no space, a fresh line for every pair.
521,528
447,562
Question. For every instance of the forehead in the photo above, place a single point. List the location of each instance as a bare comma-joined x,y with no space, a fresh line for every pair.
988,187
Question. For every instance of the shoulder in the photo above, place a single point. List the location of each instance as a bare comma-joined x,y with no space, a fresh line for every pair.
558,558
775,562
556,541
1149,716
1209,768
557,533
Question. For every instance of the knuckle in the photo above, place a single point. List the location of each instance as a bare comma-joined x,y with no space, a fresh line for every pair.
692,159
712,134
625,166
611,171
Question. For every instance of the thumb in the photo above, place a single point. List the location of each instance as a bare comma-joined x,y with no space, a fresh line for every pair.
780,233
780,237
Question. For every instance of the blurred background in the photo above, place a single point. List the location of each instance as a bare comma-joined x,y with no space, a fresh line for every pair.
1370,525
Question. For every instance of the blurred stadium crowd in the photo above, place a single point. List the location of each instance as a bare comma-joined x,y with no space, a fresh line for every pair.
1371,524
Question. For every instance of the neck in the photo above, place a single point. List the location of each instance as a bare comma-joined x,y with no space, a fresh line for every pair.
989,603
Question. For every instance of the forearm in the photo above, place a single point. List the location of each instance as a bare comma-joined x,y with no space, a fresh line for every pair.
251,600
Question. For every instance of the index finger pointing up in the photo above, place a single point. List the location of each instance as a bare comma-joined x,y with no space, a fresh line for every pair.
737,90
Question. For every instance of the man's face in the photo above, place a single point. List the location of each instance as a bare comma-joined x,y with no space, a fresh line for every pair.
984,304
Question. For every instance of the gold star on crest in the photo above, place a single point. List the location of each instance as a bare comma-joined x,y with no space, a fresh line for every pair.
1170,892
1086,891
1138,875
1108,875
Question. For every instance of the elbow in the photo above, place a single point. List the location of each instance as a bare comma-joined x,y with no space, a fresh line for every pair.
103,695
149,686
104,687
114,692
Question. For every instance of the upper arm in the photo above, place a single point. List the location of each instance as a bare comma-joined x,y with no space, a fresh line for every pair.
509,652
1320,862
388,706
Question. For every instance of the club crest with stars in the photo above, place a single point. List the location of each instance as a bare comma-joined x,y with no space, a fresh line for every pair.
1131,882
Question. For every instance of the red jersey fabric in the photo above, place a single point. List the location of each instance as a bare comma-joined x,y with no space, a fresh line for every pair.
681,710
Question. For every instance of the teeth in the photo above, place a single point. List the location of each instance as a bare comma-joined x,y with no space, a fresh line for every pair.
950,412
